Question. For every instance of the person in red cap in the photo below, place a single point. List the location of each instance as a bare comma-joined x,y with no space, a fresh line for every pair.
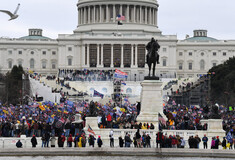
34,141
217,142
99,141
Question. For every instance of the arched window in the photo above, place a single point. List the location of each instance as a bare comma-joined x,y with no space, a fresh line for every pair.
31,63
202,65
128,90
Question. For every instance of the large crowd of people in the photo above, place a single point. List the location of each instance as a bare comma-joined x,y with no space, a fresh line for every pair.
181,117
86,75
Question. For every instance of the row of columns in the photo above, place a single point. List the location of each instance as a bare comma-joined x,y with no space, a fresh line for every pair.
102,14
86,57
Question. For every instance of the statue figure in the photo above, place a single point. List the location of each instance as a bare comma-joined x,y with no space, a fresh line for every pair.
92,110
152,56
214,112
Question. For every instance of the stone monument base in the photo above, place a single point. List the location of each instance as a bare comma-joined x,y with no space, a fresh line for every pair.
151,101
214,127
92,121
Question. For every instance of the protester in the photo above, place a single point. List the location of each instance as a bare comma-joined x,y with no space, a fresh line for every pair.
43,140
99,141
91,140
61,140
121,142
224,143
34,141
159,139
111,138
70,140
205,140
53,139
19,144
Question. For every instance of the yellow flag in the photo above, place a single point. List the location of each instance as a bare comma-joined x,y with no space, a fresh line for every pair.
5,111
41,107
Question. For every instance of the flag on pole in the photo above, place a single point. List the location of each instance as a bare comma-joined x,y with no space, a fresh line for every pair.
96,93
41,107
120,18
90,130
120,74
229,137
124,83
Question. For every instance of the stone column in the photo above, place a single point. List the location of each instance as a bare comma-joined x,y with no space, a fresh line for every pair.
78,16
153,22
88,55
94,14
141,19
146,15
81,15
107,13
150,15
98,55
121,56
121,9
114,12
89,14
83,55
100,13
111,56
134,16
127,13
102,55
132,52
136,53
84,15
156,17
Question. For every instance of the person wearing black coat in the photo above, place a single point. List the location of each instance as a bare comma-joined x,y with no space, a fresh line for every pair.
121,142
99,142
19,144
91,140
34,141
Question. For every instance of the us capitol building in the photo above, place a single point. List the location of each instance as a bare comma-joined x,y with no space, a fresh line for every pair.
99,42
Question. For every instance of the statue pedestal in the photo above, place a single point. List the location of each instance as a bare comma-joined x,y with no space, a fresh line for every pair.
151,102
92,121
214,127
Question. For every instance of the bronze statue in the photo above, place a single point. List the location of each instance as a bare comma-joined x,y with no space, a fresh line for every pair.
152,56
92,110
214,112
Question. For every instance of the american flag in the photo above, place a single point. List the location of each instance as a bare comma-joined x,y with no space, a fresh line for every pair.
120,18
90,129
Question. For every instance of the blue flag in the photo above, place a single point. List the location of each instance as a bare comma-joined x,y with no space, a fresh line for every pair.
98,94
229,137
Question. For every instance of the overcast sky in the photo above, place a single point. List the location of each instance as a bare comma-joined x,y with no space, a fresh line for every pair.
179,17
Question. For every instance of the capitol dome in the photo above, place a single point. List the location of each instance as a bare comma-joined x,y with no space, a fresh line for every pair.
101,15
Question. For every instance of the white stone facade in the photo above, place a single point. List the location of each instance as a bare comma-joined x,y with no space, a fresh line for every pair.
99,43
